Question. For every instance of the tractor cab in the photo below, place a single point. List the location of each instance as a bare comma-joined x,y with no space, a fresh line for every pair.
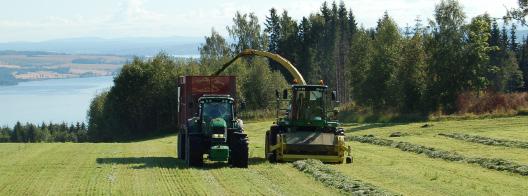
216,110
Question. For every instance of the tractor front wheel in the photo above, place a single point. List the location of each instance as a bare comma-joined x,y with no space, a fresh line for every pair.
238,154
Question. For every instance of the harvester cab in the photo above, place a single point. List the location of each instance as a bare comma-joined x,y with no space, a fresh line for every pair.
308,105
304,128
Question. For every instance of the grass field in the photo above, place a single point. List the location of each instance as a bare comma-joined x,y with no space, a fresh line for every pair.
151,168
142,168
414,174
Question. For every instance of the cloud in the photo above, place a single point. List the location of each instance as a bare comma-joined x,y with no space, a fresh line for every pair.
108,19
134,11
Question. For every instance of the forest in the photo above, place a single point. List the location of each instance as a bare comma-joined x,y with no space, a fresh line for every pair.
45,132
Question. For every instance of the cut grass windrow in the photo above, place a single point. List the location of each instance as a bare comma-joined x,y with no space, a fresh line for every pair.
485,140
489,163
335,179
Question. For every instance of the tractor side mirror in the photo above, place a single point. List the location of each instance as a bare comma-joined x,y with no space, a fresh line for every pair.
277,93
285,94
334,95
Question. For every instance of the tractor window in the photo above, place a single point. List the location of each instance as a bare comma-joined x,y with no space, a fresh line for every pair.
308,105
212,110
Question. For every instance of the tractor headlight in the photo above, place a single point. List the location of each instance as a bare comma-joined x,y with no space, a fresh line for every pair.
218,136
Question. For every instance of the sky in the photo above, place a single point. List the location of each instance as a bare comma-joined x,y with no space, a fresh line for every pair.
38,20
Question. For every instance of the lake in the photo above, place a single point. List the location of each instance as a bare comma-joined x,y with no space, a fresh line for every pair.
57,100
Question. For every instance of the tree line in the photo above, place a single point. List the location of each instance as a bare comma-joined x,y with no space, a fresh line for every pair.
31,133
388,68
420,68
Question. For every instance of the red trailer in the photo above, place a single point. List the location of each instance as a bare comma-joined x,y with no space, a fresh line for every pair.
191,88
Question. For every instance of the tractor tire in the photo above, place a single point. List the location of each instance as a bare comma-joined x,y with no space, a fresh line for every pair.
181,146
231,137
239,154
266,144
230,159
193,151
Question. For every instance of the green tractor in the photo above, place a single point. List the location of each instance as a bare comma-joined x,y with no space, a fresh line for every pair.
213,129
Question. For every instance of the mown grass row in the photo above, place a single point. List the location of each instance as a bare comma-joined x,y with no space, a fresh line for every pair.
489,163
485,140
332,178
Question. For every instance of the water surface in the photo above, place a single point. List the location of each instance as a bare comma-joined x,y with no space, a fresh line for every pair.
57,100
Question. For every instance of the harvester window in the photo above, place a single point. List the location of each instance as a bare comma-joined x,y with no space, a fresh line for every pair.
308,105
315,95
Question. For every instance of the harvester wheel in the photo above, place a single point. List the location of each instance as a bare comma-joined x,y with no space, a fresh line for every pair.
349,160
238,154
271,139
193,151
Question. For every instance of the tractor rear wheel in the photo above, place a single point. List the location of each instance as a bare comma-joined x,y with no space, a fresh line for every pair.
193,151
238,154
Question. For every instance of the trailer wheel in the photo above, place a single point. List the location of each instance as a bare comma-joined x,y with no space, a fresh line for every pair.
238,154
193,151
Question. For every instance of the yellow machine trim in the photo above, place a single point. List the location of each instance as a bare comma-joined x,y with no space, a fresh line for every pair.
279,59
339,158
323,158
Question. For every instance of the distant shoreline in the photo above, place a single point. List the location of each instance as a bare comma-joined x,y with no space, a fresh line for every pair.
18,81
65,76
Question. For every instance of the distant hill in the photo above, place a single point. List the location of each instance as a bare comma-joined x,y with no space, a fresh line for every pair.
140,46
16,66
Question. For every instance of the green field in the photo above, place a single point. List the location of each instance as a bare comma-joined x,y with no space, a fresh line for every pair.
150,167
